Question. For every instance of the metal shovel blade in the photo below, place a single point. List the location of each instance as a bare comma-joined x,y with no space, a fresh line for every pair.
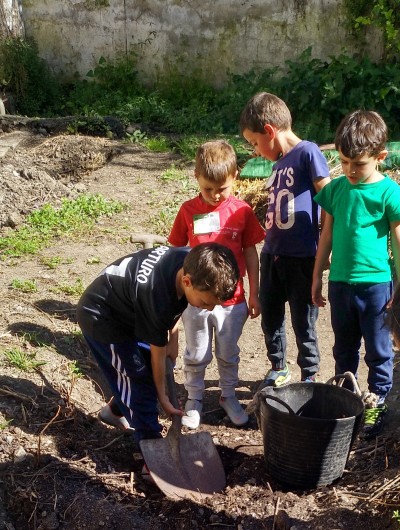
184,466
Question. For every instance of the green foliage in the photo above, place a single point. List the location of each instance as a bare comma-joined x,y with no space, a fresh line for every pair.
161,223
74,370
157,144
93,260
173,173
137,137
4,424
187,145
382,14
74,289
22,360
26,286
24,74
111,88
319,93
48,223
51,262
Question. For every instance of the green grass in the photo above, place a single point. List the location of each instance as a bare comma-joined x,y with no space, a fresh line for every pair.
187,145
162,223
174,174
18,358
93,260
26,286
74,370
75,289
52,262
47,223
158,144
4,424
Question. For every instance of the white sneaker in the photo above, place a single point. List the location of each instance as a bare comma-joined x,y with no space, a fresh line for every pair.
193,409
107,416
234,409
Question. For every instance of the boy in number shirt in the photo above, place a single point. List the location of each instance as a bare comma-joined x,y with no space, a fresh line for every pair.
292,231
215,215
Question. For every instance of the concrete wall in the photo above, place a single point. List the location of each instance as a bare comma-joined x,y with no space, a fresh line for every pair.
214,36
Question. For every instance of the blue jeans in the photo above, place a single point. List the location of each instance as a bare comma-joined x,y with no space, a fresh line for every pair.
359,311
127,369
287,279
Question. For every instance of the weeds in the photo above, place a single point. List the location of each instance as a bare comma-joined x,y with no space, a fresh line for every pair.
319,93
93,261
74,370
48,223
51,263
162,223
137,137
4,424
173,174
25,362
75,289
158,144
26,286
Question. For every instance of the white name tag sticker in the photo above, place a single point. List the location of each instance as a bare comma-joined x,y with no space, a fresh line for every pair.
206,223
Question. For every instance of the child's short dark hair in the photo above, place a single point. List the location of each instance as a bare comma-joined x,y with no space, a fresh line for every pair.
360,132
263,109
393,316
216,161
212,267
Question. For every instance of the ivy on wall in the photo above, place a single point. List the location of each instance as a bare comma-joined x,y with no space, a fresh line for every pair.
382,14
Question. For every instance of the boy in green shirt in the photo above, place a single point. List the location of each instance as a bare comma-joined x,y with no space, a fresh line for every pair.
362,209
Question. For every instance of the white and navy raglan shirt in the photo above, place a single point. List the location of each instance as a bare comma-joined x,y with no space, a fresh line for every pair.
134,298
292,218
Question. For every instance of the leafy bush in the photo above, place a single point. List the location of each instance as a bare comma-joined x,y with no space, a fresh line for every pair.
318,93
382,14
24,74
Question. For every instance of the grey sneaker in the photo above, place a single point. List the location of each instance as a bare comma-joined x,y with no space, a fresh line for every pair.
276,378
192,416
107,416
234,409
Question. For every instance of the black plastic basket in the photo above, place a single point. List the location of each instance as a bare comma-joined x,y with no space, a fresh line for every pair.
308,430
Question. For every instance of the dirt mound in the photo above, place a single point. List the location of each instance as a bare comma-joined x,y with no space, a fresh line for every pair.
43,171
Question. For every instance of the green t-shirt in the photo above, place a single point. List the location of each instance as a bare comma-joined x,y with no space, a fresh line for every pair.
361,225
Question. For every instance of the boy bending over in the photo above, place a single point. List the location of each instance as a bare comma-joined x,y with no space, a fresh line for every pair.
128,316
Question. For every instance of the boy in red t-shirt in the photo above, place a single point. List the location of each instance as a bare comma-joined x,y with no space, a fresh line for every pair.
216,215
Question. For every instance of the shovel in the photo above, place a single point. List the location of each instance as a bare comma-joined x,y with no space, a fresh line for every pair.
183,466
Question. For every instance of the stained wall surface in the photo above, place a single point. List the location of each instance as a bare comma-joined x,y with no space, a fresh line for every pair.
215,37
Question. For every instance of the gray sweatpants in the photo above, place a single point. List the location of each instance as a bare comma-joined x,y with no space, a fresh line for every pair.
225,325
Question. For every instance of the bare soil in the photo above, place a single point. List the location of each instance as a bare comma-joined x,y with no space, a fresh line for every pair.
60,467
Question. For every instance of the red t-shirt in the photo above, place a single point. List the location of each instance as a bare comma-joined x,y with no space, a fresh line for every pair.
232,223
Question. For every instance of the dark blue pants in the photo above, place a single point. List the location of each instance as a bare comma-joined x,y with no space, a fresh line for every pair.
127,368
359,311
286,279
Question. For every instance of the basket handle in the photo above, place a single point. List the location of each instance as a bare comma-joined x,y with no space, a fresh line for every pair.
281,402
340,379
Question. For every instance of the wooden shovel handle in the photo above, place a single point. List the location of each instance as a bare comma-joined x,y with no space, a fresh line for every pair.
171,388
